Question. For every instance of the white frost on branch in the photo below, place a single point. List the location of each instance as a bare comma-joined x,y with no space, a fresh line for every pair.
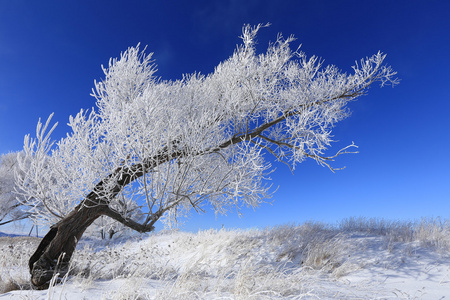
201,139
11,209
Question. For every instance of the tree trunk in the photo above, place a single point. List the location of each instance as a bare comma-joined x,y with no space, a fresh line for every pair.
56,248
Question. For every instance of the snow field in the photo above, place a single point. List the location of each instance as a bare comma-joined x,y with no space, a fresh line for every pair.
358,259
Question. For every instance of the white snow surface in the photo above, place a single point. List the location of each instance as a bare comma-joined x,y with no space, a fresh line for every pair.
311,261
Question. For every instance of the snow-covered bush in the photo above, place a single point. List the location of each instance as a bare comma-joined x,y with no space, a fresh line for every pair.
11,208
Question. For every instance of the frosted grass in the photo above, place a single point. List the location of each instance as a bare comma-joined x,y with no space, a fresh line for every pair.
309,261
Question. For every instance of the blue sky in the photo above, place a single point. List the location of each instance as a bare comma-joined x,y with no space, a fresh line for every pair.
51,52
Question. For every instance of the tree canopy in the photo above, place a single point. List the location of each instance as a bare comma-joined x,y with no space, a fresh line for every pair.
172,146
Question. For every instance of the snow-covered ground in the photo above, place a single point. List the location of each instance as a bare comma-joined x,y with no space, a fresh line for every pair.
359,259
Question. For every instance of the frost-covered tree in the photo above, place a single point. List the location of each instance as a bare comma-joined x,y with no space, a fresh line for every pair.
177,146
11,209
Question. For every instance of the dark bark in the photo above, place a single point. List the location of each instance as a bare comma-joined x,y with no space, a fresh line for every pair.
56,248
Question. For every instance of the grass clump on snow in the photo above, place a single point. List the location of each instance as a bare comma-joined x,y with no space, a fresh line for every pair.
429,232
14,255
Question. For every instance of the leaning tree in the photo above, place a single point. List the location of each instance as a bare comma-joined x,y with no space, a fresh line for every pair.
176,146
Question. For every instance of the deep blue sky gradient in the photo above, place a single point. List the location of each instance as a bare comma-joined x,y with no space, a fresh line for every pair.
51,52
